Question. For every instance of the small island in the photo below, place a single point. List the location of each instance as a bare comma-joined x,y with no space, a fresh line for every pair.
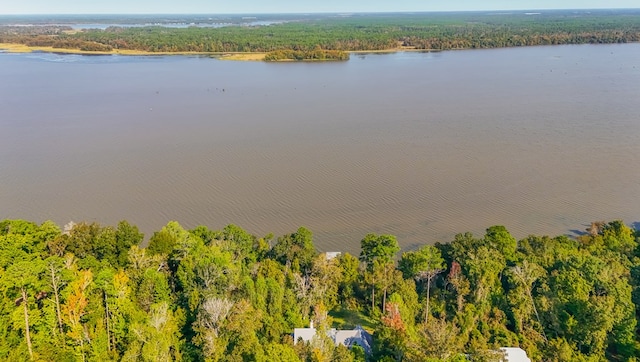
304,55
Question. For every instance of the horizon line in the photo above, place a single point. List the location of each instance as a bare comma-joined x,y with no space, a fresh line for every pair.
327,12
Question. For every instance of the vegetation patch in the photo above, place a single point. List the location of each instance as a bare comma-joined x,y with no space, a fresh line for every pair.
89,292
306,55
344,318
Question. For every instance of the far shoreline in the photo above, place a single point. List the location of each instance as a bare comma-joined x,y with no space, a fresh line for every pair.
233,56
21,48
237,56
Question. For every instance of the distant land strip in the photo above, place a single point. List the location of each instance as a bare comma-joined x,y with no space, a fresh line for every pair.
332,38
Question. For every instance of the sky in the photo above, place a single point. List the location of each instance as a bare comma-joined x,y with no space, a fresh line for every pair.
289,6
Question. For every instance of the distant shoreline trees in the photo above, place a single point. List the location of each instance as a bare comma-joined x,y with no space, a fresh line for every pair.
336,36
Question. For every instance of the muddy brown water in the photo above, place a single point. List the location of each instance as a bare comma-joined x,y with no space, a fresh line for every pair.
542,140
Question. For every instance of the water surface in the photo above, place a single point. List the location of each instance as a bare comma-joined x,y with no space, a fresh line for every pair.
542,140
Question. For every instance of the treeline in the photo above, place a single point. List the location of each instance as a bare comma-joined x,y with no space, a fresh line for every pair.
48,36
431,31
92,293
305,55
8,30
62,43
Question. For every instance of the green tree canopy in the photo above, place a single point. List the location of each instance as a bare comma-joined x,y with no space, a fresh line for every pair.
296,250
380,248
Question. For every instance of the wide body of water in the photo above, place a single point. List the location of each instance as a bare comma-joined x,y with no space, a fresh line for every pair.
542,140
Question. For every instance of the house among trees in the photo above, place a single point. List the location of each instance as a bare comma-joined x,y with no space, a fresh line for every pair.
330,255
345,337
512,354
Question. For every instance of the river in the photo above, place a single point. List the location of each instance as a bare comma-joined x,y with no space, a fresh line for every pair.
543,140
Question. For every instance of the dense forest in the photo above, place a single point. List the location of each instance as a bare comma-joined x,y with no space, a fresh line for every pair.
89,292
360,32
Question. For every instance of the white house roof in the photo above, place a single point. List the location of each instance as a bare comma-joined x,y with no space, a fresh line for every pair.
353,336
347,337
512,354
305,333
332,254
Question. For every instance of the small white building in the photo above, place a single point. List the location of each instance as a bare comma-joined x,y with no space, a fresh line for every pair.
330,255
305,334
513,354
345,337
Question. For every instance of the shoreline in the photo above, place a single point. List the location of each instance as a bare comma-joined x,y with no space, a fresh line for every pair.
234,56
21,48
238,56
